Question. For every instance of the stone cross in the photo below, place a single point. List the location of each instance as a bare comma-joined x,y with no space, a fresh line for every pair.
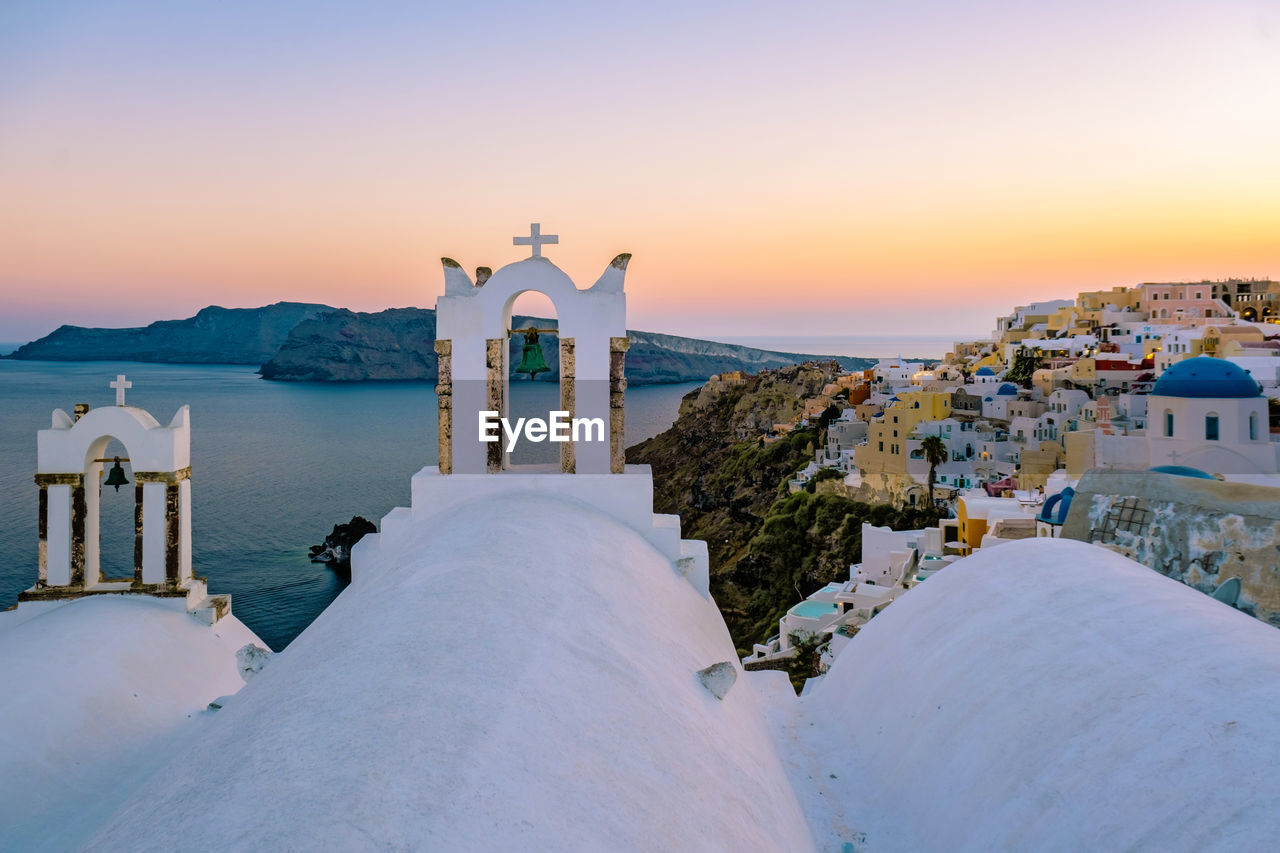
535,239
120,385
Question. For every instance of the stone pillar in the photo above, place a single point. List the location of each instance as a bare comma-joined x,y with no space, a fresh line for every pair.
184,530
495,385
617,403
93,525
137,533
42,532
54,525
161,544
444,405
172,532
78,511
568,372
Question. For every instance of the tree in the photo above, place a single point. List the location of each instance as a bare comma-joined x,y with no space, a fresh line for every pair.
829,414
1025,363
935,453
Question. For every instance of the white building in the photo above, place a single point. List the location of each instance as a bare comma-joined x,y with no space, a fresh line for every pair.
1207,413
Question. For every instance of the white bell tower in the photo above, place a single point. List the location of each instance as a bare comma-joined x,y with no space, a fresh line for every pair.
473,324
473,328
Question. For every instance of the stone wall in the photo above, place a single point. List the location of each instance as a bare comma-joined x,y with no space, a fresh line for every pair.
1199,532
892,488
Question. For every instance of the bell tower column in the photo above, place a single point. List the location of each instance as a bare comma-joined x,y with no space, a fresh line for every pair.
42,533
568,373
495,397
56,491
172,533
137,532
617,403
79,509
163,538
444,405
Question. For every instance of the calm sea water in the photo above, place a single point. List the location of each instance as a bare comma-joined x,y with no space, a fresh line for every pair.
860,346
274,467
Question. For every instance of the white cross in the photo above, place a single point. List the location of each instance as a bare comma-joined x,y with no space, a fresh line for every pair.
535,239
120,384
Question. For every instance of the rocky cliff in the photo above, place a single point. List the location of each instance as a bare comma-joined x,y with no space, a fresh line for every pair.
768,548
213,336
398,344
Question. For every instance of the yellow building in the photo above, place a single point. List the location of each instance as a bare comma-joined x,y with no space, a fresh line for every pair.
1120,296
991,360
1216,338
1083,371
976,514
885,451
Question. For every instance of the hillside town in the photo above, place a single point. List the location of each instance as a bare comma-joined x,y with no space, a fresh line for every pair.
1151,409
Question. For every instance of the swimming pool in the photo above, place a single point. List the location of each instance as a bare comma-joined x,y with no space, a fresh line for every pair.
814,609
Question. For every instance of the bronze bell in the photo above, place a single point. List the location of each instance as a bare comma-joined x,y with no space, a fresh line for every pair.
532,361
116,477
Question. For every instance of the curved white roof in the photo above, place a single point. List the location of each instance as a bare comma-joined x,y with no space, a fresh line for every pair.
97,693
1051,695
521,676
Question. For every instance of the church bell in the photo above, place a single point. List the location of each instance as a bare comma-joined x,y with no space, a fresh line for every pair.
116,477
532,361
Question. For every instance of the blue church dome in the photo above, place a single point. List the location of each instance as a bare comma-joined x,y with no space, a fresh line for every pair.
1205,377
1007,390
984,371
1183,471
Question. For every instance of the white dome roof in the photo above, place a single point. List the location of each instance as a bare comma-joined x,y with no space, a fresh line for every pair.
1048,694
518,676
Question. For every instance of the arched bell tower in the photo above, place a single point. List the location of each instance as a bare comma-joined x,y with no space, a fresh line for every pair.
473,322
69,469
473,325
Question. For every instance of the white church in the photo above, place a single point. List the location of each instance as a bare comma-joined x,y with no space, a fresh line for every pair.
528,657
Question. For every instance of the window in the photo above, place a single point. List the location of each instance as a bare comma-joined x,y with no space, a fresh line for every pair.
1210,427
1253,426
881,446
1168,424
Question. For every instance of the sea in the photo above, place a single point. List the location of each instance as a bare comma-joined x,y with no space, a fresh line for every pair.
274,467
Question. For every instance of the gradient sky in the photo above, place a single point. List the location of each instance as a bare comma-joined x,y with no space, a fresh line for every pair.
834,168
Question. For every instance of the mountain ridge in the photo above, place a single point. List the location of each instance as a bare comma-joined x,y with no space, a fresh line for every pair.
310,342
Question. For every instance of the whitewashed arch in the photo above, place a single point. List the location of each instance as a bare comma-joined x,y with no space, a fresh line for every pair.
67,445
473,322
69,476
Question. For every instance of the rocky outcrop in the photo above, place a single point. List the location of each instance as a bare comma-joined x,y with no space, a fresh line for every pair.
213,336
349,346
336,549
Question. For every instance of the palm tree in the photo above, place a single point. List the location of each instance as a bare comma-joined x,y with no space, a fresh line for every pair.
935,453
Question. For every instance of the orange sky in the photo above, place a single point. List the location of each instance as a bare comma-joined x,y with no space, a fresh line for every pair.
846,169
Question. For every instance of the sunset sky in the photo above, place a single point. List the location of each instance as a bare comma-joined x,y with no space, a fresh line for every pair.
836,168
